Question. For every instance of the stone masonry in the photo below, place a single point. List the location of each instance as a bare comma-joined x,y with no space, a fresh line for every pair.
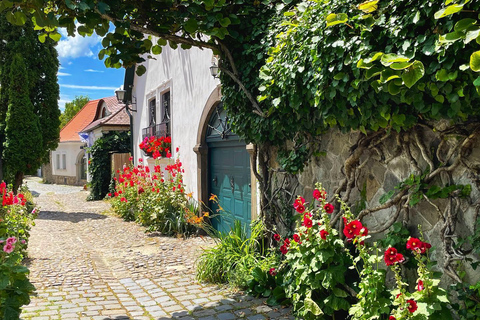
88,264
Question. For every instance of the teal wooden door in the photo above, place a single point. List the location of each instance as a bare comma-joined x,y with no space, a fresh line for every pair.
228,174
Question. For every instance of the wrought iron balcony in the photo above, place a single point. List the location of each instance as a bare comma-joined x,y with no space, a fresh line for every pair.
158,130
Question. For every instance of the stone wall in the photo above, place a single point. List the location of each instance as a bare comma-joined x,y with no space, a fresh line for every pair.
383,168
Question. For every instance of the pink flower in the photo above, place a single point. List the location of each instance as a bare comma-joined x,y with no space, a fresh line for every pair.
11,240
8,248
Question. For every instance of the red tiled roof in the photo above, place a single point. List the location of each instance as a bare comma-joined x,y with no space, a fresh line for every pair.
85,116
118,118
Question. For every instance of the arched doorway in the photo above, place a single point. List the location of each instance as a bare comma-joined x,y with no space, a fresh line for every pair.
228,173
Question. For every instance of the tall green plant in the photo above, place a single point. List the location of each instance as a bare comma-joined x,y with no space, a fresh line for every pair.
23,138
100,164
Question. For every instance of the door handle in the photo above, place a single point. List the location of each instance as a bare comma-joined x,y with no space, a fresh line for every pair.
215,181
232,184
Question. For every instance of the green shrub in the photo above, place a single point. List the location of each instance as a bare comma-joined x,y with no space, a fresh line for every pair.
235,255
15,224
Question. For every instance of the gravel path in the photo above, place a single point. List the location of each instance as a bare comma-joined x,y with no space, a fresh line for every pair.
88,264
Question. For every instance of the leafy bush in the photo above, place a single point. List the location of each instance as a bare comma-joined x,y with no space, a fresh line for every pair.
100,163
317,264
15,223
234,257
154,201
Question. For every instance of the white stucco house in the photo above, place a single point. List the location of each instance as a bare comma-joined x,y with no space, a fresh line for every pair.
69,163
178,97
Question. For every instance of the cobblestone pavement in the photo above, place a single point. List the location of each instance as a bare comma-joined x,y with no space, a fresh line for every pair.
88,264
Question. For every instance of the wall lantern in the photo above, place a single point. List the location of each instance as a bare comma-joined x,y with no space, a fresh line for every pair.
214,70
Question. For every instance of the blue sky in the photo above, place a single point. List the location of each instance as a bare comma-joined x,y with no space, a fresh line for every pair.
81,72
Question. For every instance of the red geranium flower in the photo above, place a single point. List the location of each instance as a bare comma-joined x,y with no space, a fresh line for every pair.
424,247
307,222
420,286
300,208
412,305
352,229
328,208
413,244
272,271
391,256
323,234
277,237
284,249
296,238
319,195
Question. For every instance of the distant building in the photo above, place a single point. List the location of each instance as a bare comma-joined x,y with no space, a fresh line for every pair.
69,163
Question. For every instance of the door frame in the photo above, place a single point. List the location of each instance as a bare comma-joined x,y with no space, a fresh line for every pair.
201,149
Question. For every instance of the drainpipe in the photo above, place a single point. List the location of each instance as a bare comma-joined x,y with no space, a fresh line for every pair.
131,131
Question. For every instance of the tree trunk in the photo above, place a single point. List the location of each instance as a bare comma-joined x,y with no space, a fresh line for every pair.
18,181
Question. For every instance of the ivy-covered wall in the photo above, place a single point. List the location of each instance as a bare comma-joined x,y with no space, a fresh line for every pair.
425,176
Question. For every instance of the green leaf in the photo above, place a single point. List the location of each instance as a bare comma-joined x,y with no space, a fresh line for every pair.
442,75
313,307
3,281
400,65
336,18
339,76
413,74
464,24
440,98
368,6
450,37
475,61
156,49
339,293
393,89
389,58
472,35
225,22
373,57
55,36
454,8
258,274
42,37
386,196
103,7
140,70
17,18
362,65
191,26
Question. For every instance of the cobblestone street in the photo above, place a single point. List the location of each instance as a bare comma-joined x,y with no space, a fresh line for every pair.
87,264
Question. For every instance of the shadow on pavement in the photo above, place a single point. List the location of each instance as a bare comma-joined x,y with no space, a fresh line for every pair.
74,217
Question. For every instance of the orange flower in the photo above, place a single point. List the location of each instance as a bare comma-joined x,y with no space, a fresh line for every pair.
206,213
220,208
213,197
189,195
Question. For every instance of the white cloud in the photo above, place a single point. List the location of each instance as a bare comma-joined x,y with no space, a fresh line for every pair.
91,70
63,74
74,86
76,47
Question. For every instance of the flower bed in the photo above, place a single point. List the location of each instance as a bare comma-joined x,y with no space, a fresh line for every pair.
156,201
15,223
327,277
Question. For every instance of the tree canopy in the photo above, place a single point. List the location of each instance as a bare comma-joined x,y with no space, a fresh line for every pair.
72,108
33,90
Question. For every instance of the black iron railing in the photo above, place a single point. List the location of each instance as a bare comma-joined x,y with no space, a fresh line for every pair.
158,130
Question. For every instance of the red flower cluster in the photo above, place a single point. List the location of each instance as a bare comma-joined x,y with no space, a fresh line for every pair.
8,198
417,245
323,234
319,195
354,228
328,207
299,204
392,256
157,147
